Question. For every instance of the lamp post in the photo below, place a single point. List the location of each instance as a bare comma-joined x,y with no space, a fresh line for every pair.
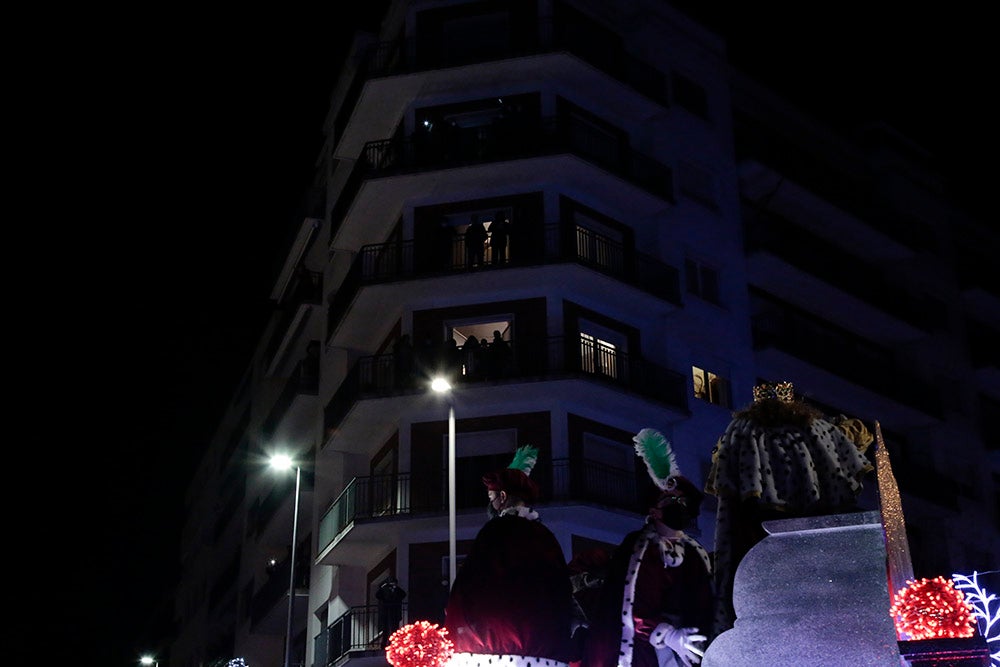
149,660
284,462
442,386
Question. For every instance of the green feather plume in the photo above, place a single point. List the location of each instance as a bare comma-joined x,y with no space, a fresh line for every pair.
525,459
654,448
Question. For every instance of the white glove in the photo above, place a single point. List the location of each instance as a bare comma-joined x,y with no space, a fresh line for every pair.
681,641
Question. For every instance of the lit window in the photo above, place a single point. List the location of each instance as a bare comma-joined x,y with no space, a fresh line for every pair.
603,350
598,356
474,338
709,386
598,243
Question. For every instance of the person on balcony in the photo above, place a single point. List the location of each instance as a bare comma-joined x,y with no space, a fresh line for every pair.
499,233
390,607
499,357
475,242
472,358
657,598
512,600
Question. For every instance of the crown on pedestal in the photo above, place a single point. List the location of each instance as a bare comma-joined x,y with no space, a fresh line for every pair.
783,391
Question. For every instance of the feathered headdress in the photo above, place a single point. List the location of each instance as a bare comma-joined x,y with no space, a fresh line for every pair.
525,459
654,448
514,479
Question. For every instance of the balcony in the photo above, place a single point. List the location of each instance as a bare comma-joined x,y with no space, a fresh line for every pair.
293,403
539,359
397,57
839,185
356,636
305,292
845,356
778,250
271,515
373,506
511,140
269,605
408,260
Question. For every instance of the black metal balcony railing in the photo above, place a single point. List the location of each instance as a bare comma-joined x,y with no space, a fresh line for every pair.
807,252
275,590
392,58
544,358
306,290
389,58
559,243
373,497
393,496
516,138
359,629
853,192
589,481
304,380
847,357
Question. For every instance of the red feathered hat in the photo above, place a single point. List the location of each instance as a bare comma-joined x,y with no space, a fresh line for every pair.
514,478
514,482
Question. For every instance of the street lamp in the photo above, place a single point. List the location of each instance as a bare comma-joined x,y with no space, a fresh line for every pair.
442,386
284,462
147,660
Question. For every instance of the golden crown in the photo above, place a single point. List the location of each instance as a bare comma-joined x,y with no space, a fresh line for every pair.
783,391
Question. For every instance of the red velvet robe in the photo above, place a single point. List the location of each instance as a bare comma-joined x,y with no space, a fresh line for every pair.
681,596
512,594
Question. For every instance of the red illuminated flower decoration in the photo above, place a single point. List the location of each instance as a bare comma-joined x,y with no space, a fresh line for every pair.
931,609
419,644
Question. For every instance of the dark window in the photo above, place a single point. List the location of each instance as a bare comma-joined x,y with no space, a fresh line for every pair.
690,95
702,281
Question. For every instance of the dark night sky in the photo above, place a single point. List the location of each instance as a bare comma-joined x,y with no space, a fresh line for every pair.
186,146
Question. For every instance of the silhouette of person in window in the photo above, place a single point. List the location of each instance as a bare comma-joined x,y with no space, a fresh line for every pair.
499,234
472,358
475,242
499,356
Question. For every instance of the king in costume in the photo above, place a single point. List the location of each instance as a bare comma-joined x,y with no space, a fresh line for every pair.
657,597
512,600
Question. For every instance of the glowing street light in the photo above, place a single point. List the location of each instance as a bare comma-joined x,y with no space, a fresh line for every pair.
283,462
149,660
442,386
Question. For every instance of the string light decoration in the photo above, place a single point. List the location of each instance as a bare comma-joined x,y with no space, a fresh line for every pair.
932,609
419,644
981,601
236,662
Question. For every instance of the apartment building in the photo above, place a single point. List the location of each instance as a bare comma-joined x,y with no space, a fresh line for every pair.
658,234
